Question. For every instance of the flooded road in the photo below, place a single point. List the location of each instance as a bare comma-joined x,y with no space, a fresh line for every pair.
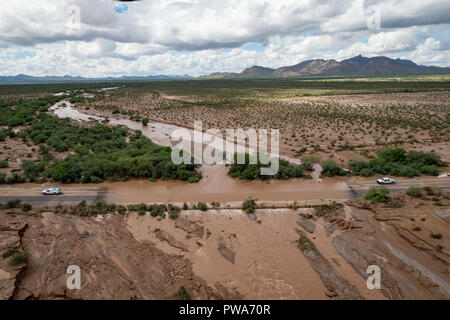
216,185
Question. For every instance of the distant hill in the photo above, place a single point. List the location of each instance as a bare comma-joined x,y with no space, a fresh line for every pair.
356,66
22,78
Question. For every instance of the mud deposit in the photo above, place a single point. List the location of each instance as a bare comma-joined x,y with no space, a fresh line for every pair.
307,252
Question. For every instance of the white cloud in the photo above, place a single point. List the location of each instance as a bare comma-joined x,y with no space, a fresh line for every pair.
201,36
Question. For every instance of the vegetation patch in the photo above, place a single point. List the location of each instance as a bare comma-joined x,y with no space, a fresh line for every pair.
251,169
183,294
19,257
249,206
304,244
331,169
398,162
96,153
415,192
377,194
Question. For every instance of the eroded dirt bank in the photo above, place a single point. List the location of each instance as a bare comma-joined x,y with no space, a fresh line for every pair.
113,264
308,251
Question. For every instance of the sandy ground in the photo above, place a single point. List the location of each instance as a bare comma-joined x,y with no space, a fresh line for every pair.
321,124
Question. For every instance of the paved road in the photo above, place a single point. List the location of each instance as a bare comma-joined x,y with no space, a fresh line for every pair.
70,195
360,188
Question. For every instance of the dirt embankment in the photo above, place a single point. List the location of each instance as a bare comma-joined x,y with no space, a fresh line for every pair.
310,252
113,264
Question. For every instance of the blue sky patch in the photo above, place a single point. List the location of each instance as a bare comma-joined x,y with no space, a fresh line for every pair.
121,9
253,46
21,55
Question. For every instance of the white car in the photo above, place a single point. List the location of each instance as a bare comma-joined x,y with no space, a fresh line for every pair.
386,181
54,190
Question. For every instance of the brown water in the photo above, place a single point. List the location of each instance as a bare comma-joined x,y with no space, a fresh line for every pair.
216,185
268,264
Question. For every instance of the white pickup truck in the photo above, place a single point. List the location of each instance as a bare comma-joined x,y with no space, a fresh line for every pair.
386,181
54,190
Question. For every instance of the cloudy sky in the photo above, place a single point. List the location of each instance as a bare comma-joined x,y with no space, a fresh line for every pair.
94,38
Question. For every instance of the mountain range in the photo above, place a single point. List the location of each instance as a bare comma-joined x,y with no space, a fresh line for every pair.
356,66
23,78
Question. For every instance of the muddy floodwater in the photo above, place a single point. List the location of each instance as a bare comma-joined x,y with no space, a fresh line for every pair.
216,185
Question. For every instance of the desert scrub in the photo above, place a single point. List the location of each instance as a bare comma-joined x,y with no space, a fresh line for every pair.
309,161
3,163
398,162
101,152
215,205
428,191
377,194
202,206
436,235
304,244
331,169
182,293
13,204
121,209
26,207
327,208
251,169
249,206
414,192
19,257
173,215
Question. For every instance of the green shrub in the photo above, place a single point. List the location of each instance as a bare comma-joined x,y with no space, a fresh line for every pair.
428,191
13,204
182,293
414,192
331,169
377,194
304,244
252,171
3,163
436,235
173,215
19,257
121,209
249,206
309,161
30,169
202,206
15,178
26,207
398,162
